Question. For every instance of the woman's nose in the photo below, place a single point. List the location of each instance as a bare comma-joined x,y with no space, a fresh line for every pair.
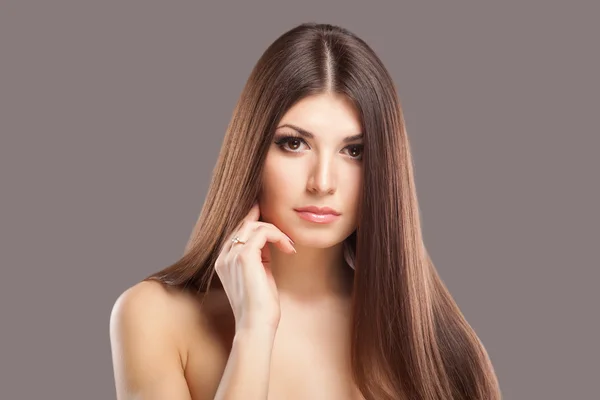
322,177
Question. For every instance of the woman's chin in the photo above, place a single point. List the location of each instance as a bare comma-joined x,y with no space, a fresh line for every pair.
315,240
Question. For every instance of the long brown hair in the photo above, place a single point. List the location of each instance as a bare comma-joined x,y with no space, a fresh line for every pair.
409,338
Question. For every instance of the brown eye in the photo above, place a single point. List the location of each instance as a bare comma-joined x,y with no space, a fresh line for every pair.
289,143
355,151
294,143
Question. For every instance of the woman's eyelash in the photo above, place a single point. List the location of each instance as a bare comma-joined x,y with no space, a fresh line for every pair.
281,141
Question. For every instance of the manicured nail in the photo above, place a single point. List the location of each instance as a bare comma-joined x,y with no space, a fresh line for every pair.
293,248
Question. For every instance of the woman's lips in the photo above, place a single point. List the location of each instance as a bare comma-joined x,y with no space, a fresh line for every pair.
318,218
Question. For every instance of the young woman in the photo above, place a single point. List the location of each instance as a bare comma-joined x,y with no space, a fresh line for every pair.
306,275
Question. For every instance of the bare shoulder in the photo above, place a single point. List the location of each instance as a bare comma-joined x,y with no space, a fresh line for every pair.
157,305
150,325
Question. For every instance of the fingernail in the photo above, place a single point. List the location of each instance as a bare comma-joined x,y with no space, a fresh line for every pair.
291,241
293,248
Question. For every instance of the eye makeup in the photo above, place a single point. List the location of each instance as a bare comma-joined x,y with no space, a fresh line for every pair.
284,140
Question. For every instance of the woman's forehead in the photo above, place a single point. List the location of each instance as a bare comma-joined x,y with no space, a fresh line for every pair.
324,115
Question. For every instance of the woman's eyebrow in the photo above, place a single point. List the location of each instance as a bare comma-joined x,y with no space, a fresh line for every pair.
309,135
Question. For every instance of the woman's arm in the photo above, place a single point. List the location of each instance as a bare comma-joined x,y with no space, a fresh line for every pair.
146,359
248,368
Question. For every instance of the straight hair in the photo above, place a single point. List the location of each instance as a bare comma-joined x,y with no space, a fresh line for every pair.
409,338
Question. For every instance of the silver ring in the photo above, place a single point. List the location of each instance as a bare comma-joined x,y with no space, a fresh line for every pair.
236,240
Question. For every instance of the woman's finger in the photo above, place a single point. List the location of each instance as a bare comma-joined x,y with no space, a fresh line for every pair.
264,233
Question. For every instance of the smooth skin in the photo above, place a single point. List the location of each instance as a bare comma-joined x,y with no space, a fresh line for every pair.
280,329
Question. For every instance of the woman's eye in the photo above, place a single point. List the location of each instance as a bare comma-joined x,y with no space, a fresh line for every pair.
294,143
355,151
290,142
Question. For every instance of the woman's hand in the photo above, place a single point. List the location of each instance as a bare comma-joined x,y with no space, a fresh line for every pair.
246,275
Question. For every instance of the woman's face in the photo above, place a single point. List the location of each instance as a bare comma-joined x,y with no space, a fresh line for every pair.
321,168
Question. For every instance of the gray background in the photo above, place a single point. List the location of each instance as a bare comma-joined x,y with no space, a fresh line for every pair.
112,114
